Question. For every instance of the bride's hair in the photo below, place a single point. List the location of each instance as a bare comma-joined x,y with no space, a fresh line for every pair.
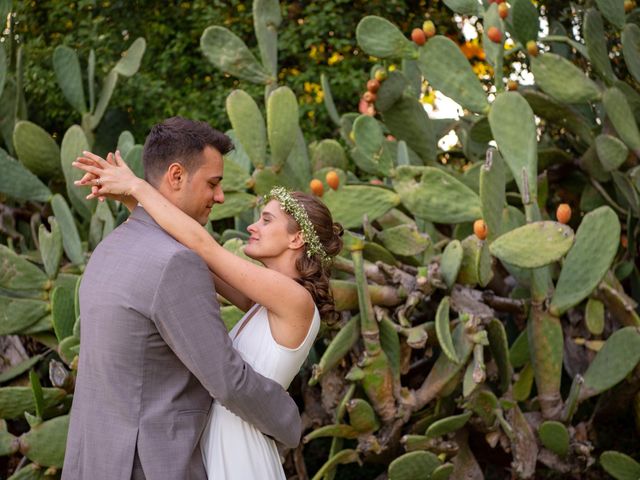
314,274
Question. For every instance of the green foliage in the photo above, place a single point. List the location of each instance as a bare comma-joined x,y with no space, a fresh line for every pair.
442,332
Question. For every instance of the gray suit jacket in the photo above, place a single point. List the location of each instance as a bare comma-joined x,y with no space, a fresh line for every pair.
154,351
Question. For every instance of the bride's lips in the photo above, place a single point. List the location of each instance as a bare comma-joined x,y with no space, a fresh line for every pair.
251,239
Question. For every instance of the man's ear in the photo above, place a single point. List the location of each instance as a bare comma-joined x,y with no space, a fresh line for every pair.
297,241
176,176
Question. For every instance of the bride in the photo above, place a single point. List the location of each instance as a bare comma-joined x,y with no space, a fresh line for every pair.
294,238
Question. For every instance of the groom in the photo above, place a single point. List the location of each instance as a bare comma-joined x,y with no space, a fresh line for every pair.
154,350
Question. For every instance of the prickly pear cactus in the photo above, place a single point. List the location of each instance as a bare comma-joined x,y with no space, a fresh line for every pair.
488,290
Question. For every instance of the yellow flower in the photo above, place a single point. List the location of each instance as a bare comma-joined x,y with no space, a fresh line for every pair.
335,58
241,7
482,69
429,97
311,114
308,87
392,68
294,71
319,96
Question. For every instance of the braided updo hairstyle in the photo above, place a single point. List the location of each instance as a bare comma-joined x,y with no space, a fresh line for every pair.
314,275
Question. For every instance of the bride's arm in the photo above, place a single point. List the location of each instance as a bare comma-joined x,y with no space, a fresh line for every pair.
237,298
260,284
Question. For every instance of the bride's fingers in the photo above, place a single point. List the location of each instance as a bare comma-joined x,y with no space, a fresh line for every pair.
93,156
119,161
88,168
89,161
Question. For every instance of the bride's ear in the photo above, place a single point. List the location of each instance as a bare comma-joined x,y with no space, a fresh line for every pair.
296,240
176,176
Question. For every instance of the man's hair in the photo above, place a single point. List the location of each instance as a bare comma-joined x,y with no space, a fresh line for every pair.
179,140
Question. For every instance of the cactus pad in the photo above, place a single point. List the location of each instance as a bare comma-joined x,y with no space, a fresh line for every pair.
381,38
564,81
350,203
620,466
534,245
447,69
588,260
555,437
618,356
447,425
248,126
282,120
20,183
413,466
436,196
230,54
36,149
450,262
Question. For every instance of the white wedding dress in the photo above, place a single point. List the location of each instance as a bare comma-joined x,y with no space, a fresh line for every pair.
233,449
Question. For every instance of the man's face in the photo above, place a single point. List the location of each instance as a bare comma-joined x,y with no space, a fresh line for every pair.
202,188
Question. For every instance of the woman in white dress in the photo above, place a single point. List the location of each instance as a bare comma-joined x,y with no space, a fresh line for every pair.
294,239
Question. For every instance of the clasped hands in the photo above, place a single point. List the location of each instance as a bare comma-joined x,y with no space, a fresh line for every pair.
110,178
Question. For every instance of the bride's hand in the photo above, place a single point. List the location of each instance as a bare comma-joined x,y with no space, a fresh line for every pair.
112,179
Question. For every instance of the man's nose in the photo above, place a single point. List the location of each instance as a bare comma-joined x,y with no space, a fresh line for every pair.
218,196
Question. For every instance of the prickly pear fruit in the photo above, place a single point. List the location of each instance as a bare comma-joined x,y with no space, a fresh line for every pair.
373,85
332,179
532,48
494,34
369,97
316,187
380,75
429,28
480,229
563,213
418,36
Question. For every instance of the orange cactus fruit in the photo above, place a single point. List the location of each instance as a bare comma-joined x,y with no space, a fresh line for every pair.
629,5
418,36
480,229
494,34
512,85
563,213
503,10
362,106
333,180
316,187
369,97
380,75
532,48
429,28
373,85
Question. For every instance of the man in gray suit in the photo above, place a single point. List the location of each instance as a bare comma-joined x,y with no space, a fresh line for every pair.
154,350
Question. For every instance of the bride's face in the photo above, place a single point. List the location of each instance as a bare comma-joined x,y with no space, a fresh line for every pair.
270,235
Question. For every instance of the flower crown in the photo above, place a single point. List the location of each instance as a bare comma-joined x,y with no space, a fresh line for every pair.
291,206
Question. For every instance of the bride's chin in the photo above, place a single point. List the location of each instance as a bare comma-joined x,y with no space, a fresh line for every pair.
247,251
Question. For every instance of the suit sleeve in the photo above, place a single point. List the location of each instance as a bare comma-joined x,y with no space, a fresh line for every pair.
187,315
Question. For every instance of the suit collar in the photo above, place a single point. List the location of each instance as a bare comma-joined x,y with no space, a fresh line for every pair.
141,214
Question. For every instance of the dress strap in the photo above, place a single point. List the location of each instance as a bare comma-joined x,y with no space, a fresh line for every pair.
256,307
